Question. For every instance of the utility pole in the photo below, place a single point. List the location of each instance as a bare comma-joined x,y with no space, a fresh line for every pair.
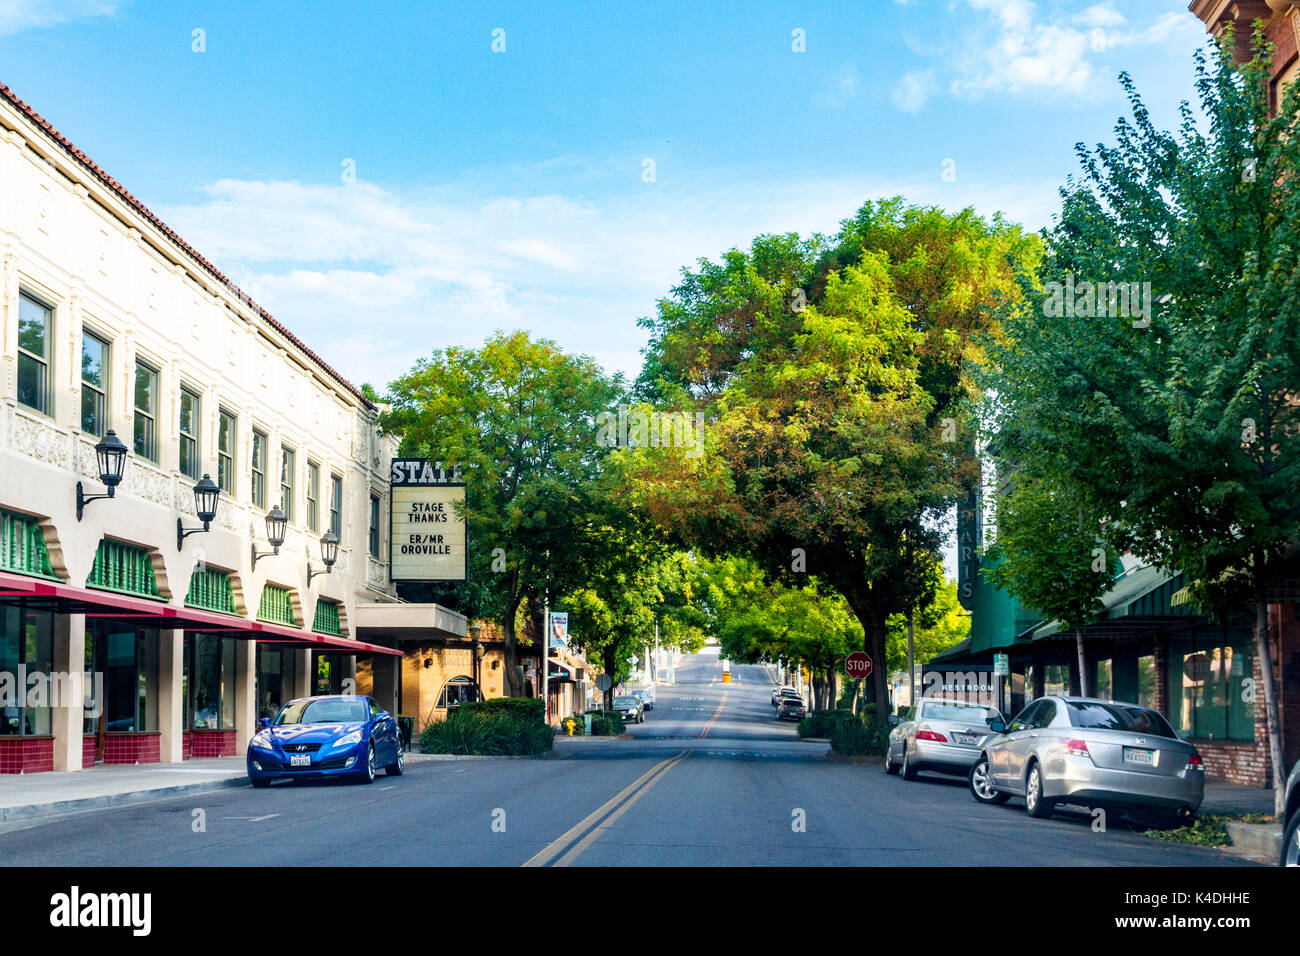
911,665
546,657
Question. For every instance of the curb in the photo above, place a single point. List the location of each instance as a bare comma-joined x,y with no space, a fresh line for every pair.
128,798
425,758
1256,840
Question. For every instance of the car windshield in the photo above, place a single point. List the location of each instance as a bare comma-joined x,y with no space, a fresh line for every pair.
1110,716
324,710
957,710
625,701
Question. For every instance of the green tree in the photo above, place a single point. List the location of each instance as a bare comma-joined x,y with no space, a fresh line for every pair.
519,417
1182,421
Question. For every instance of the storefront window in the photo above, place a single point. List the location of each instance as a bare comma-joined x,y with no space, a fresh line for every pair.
211,682
276,672
26,649
456,691
1101,677
1209,687
329,675
1147,681
1056,680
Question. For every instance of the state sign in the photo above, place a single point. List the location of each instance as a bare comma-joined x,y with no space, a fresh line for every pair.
427,535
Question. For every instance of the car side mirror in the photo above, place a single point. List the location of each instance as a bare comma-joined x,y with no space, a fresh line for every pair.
264,723
893,720
998,726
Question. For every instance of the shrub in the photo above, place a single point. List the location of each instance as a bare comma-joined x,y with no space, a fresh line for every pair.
528,708
858,736
820,723
606,723
482,732
573,726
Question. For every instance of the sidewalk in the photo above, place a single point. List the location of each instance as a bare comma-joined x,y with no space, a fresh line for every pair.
1234,799
23,796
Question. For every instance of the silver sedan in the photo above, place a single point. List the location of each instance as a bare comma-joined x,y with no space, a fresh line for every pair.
1096,753
943,736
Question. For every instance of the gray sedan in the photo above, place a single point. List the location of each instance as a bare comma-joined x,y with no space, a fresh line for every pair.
943,736
1097,753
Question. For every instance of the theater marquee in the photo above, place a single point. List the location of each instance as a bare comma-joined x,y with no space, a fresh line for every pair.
427,539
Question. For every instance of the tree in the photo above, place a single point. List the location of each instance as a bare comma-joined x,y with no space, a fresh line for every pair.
519,417
1049,554
834,378
1181,416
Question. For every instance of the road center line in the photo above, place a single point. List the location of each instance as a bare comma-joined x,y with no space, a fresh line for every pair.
716,714
605,824
549,852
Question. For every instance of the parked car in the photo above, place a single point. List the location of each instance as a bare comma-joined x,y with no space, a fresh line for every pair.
1291,820
786,693
776,694
647,696
333,736
629,705
791,708
1097,753
941,735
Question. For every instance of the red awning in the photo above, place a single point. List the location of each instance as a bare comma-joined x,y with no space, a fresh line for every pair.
95,604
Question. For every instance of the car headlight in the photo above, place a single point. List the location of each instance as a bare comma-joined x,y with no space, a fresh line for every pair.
262,741
348,740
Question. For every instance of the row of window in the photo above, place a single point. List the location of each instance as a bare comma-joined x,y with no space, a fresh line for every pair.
35,320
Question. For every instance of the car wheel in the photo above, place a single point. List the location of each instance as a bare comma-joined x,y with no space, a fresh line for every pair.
1035,803
981,783
1291,842
368,775
398,766
909,769
889,762
260,782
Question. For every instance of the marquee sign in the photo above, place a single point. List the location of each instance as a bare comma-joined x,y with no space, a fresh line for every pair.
426,539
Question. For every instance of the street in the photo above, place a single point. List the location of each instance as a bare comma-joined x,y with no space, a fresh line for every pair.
711,778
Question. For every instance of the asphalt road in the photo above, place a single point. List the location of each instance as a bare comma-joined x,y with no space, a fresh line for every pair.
711,778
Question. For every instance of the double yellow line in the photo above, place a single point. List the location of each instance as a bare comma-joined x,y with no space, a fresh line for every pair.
601,819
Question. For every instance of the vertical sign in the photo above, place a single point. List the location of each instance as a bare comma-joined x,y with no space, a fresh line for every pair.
559,629
427,536
968,562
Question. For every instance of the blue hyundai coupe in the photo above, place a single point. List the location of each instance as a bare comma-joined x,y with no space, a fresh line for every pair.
335,736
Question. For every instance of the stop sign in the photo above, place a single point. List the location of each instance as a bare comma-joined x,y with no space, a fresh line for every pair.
858,665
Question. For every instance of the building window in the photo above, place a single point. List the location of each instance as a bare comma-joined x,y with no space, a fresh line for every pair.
211,681
287,464
259,470
1208,677
129,662
227,432
34,330
313,496
146,412
189,429
457,691
336,506
276,672
26,639
94,384
374,525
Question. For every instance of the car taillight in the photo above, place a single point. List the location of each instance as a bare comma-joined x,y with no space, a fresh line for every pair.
1194,762
931,735
1075,747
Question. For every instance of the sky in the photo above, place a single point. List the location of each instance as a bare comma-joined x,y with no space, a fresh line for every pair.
391,178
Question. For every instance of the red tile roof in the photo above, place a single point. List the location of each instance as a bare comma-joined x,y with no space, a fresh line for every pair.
140,207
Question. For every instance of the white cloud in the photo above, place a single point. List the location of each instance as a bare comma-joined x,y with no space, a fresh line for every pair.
19,15
913,90
373,278
841,88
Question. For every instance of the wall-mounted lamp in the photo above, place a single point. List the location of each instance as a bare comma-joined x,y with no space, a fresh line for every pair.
275,525
329,553
206,495
110,456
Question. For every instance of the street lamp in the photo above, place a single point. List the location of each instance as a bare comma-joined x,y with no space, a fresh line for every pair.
329,553
206,495
110,456
475,630
275,524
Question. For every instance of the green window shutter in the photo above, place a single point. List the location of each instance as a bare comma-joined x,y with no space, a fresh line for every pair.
22,546
276,606
124,568
211,589
327,619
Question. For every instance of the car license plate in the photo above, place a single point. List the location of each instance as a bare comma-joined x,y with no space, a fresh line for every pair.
1132,755
968,739
300,760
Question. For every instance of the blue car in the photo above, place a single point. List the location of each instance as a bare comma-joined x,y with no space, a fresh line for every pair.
335,736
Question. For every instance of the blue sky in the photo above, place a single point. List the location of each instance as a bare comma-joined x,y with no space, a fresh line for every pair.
509,189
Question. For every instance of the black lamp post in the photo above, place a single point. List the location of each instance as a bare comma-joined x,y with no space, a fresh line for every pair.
206,495
110,456
329,553
479,650
275,525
